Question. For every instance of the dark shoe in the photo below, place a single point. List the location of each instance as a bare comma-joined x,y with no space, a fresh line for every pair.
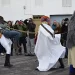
61,63
61,67
8,66
26,54
53,69
66,56
36,69
72,74
32,54
19,53
29,54
7,61
11,54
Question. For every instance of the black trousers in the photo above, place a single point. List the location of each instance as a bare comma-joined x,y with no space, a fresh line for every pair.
2,50
12,50
61,62
23,41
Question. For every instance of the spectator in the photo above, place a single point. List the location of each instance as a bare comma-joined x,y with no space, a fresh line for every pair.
64,30
11,26
71,44
30,39
15,44
21,26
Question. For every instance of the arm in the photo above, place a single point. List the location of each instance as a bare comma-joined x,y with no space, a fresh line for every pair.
33,26
4,26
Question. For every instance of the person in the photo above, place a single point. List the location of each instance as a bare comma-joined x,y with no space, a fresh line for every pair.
71,44
57,30
23,41
11,27
10,24
30,37
15,26
48,48
21,26
54,24
5,35
64,30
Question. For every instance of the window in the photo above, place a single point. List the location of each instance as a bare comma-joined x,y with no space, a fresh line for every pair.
38,2
37,16
66,3
5,2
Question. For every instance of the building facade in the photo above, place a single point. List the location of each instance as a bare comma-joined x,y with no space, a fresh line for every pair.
22,9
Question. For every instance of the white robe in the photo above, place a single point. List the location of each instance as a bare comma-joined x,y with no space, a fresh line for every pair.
6,43
48,49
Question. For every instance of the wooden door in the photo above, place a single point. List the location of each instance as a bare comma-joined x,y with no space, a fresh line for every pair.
37,22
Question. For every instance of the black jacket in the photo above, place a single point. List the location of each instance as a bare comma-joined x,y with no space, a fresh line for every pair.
31,28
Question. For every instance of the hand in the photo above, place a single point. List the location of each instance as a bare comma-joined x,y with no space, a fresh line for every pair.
0,35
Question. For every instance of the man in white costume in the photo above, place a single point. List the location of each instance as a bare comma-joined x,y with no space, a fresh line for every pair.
48,48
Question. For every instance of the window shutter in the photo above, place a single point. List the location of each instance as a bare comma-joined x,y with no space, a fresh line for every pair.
66,3
5,2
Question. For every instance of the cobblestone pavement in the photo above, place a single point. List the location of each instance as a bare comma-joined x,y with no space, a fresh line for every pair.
25,65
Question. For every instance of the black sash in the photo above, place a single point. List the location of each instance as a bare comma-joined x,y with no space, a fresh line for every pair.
48,31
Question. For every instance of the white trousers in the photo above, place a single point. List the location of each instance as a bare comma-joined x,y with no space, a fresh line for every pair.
6,43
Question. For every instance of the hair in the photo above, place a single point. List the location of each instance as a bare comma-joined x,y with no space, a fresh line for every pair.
66,19
45,18
26,21
16,21
10,22
2,20
58,28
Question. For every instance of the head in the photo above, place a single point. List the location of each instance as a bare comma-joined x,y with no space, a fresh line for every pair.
54,25
55,22
2,20
45,19
26,21
30,20
17,22
66,20
9,23
21,21
58,28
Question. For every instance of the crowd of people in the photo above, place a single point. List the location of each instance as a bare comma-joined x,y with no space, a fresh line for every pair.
50,45
19,30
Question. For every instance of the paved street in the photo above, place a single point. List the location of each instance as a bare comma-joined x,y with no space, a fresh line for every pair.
25,65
